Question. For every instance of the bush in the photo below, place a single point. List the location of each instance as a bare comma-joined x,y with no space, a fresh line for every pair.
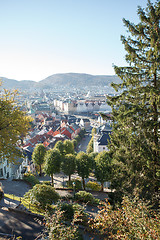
79,211
86,197
47,183
75,143
30,178
133,220
68,211
78,184
94,186
56,228
42,195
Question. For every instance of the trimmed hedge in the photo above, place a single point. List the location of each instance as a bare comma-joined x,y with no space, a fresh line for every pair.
42,195
94,186
31,179
86,197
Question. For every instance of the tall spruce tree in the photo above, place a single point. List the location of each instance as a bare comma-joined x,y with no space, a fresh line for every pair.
135,142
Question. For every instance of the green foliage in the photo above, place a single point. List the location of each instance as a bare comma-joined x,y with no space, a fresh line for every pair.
103,167
14,125
94,186
42,195
46,182
92,157
52,162
30,178
59,146
86,197
136,110
56,228
90,146
78,139
68,211
78,184
134,220
65,147
69,164
83,166
94,131
68,147
75,143
38,155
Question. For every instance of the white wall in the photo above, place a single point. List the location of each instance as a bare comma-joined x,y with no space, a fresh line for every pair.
5,169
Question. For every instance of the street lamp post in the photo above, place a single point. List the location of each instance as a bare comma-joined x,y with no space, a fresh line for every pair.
74,189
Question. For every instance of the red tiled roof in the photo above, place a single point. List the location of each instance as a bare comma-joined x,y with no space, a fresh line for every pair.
46,143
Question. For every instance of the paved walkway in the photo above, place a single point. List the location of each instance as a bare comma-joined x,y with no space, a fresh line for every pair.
17,224
26,226
17,188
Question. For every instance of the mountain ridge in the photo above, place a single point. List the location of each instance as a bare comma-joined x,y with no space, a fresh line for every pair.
65,79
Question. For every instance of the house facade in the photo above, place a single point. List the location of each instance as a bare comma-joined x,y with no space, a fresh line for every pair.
101,139
5,169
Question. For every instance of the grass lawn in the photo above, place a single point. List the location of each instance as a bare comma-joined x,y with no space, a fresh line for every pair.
26,203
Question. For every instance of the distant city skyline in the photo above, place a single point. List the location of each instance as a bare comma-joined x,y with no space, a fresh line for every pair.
44,37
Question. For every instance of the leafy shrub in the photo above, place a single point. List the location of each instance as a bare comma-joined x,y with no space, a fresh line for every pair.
79,211
55,227
68,211
85,197
134,220
94,186
30,178
47,183
78,184
42,195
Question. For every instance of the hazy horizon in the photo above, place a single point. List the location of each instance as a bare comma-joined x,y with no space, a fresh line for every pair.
58,74
41,38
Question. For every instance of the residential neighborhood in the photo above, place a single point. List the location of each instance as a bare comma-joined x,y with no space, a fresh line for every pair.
80,120
49,127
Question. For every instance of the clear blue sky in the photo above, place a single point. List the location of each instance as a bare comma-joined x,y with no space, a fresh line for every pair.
39,38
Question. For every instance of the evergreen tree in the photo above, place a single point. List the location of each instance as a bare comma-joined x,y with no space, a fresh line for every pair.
135,138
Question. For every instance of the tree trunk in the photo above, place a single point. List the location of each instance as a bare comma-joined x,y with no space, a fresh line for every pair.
69,180
102,186
52,180
40,169
83,183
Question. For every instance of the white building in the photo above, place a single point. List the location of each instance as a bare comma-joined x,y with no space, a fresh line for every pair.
101,139
5,169
80,106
